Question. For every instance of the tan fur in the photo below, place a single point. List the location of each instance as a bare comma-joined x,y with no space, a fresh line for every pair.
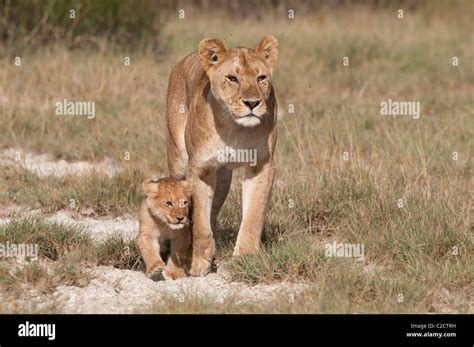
219,98
160,224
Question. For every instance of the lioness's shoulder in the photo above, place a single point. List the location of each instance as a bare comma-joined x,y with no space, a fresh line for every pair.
189,68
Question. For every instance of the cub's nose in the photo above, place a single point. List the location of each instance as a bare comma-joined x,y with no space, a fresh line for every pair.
179,219
251,104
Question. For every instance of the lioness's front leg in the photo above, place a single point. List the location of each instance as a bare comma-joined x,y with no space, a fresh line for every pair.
203,241
256,191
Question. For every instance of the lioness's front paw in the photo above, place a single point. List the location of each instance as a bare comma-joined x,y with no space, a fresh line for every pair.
173,274
155,272
240,250
200,267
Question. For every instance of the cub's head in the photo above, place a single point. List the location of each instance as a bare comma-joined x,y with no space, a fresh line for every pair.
169,199
240,77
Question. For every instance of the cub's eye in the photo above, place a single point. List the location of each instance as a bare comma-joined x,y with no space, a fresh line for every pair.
169,203
232,79
185,202
261,78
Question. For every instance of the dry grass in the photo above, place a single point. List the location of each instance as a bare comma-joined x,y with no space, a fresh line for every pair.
117,195
318,197
65,255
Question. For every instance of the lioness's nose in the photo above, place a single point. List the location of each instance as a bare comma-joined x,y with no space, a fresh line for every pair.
251,103
179,219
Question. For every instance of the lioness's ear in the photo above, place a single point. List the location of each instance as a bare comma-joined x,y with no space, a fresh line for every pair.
150,186
268,50
211,52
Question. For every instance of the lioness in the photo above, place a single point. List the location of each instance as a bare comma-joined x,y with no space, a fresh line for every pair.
218,99
164,226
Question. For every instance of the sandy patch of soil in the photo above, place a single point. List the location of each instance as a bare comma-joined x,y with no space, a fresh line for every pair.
44,165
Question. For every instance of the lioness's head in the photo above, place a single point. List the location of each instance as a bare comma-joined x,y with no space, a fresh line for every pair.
240,77
168,199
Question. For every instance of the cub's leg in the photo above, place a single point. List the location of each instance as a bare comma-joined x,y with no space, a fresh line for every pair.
147,242
179,258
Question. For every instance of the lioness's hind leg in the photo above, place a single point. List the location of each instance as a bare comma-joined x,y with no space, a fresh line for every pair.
223,182
176,118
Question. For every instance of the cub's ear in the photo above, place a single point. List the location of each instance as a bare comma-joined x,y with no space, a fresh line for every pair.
211,53
268,50
151,185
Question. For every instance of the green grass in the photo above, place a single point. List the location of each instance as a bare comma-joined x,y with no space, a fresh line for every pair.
25,26
54,240
294,260
57,241
121,254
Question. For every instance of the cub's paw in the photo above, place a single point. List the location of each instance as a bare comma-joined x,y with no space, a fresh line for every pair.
200,267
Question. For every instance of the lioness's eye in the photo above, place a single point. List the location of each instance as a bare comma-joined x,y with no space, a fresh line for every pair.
232,79
169,203
261,78
185,202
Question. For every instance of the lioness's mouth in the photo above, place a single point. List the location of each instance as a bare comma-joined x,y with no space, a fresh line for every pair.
249,115
249,120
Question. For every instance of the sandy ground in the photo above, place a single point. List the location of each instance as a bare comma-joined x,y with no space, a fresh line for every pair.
124,291
113,290
44,164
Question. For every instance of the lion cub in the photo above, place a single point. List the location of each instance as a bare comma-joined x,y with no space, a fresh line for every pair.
164,228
